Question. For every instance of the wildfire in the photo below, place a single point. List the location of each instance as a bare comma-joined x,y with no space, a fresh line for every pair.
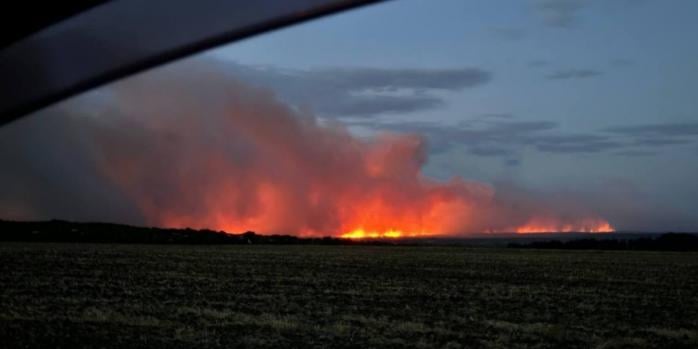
600,227
387,234
254,163
534,225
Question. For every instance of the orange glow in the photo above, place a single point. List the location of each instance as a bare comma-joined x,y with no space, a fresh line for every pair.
595,226
253,163
387,234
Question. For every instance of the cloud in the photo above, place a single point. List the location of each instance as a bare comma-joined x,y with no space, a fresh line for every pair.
658,130
659,142
498,115
375,78
371,105
360,92
574,143
567,74
489,151
481,137
634,153
559,13
517,128
657,135
501,135
504,137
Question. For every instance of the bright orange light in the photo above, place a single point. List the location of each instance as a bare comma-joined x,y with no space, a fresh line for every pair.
387,234
599,227
256,164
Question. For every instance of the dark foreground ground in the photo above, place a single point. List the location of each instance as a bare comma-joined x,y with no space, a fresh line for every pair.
152,296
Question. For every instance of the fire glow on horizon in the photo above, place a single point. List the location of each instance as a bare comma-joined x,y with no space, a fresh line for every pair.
360,233
190,148
535,225
602,227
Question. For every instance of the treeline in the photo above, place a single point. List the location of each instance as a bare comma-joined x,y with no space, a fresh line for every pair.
664,242
63,231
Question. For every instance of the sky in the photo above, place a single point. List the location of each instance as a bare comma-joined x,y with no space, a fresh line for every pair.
579,95
588,102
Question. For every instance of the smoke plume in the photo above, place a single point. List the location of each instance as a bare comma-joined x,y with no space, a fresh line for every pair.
195,147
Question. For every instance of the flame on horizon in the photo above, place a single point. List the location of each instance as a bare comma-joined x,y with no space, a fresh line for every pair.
192,148
597,226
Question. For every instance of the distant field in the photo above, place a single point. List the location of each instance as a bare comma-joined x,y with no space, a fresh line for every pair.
118,296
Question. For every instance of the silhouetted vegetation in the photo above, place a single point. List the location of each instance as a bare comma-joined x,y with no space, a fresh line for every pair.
664,242
63,231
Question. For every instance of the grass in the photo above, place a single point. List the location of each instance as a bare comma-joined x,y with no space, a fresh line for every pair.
112,296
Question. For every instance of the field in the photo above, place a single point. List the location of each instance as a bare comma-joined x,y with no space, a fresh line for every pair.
151,296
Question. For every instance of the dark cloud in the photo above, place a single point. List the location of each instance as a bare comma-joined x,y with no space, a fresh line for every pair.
657,135
573,74
361,92
504,138
375,78
659,142
489,151
494,138
507,33
371,105
559,13
574,143
501,136
658,130
634,153
517,128
494,135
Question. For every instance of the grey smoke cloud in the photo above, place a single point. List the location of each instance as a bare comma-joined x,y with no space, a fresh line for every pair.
191,145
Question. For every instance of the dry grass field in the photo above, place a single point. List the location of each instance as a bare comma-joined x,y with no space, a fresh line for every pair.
153,296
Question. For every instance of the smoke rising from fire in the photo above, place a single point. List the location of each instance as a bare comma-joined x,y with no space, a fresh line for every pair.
195,147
